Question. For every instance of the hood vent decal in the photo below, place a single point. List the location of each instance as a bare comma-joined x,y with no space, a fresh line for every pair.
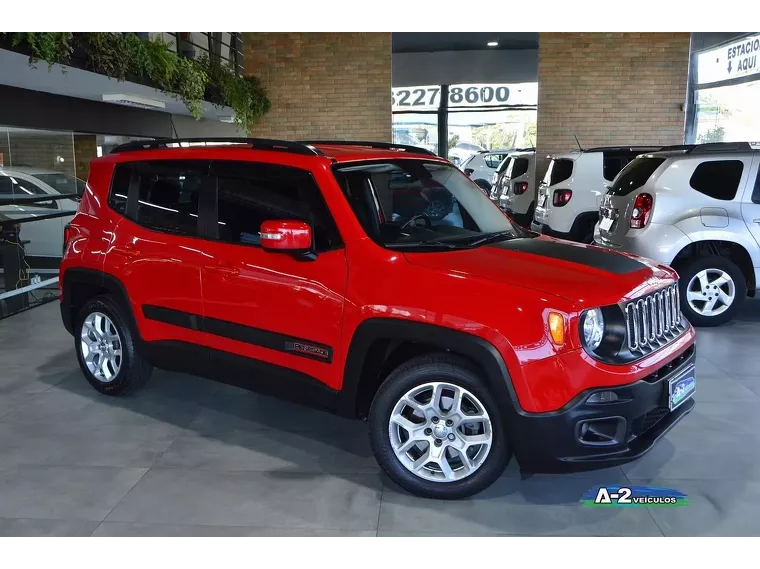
582,255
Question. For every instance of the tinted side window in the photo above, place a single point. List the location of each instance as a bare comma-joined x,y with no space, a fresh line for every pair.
168,197
167,194
12,187
756,191
614,162
559,171
117,198
634,175
249,194
493,160
718,179
504,165
519,167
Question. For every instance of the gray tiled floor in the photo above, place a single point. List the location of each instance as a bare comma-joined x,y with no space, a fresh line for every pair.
189,457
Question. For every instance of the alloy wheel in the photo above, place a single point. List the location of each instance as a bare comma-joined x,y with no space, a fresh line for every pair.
440,432
710,292
101,347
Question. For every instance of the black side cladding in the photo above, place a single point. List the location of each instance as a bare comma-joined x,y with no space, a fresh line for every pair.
588,256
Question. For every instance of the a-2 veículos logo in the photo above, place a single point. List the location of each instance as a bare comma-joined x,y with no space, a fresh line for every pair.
632,497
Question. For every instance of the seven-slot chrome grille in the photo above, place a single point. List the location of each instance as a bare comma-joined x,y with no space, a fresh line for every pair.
653,320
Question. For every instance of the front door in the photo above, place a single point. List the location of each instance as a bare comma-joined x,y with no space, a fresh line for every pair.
278,308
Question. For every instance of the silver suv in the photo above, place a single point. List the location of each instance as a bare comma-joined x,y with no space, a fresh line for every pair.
696,208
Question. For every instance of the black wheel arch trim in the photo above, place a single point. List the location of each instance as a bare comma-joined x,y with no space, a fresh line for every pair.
93,277
481,352
581,222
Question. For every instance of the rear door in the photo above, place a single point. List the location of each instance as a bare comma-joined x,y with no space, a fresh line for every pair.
751,201
156,250
616,205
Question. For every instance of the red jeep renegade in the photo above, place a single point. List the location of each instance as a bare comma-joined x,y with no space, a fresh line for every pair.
379,282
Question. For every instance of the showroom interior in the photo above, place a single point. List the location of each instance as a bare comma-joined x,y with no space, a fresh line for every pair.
185,456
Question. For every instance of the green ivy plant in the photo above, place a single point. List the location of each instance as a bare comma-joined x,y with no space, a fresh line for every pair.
126,57
51,47
245,95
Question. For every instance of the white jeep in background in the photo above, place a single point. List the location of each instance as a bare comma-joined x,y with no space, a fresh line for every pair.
43,239
517,187
696,208
482,166
567,205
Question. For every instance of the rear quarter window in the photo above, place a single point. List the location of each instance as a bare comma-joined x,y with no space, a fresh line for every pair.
559,170
635,175
519,167
504,165
718,179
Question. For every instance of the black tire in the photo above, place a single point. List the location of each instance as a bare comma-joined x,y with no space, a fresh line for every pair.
484,185
687,271
587,235
418,371
134,371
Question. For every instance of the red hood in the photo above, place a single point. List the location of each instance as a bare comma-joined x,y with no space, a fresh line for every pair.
583,274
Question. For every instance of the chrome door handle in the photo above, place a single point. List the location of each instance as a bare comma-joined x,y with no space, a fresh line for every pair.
756,221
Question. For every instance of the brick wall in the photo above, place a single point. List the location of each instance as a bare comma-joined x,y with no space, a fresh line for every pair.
611,88
323,85
85,150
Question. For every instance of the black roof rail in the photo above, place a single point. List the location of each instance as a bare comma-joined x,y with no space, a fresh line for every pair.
255,143
379,145
622,148
526,149
721,147
677,147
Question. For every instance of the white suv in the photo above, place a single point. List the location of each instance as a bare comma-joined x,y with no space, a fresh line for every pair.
44,238
516,187
569,196
482,166
696,208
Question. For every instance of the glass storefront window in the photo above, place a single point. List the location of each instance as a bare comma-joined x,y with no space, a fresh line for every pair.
726,92
729,113
472,131
479,116
416,129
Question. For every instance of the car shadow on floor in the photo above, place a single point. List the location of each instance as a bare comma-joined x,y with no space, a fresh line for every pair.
283,439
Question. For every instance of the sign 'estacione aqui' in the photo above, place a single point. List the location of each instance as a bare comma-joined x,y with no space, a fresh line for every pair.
428,97
737,59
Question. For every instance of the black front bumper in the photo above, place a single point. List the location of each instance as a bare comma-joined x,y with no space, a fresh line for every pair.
558,441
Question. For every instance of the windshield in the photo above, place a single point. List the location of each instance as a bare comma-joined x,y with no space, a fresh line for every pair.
62,183
422,205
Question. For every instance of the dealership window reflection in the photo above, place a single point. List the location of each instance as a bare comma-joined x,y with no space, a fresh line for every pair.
476,117
729,113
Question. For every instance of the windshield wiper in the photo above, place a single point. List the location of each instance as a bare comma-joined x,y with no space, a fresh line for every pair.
492,238
424,244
